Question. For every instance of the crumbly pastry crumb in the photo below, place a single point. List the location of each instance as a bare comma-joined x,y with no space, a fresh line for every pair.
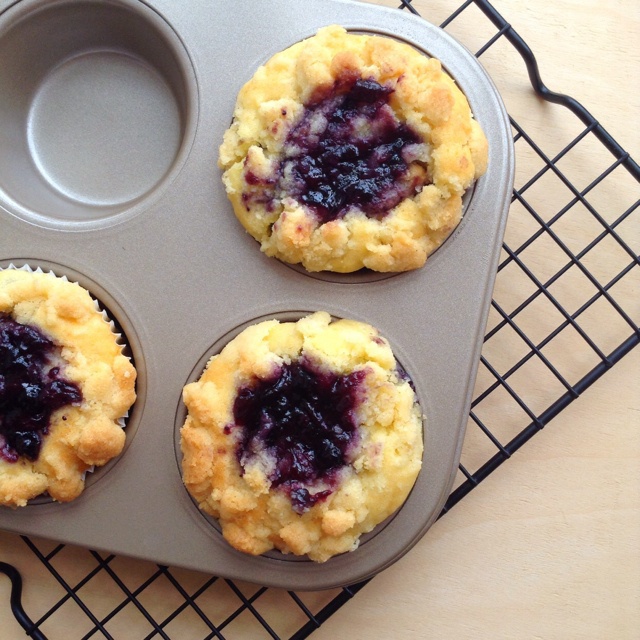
301,436
351,151
85,379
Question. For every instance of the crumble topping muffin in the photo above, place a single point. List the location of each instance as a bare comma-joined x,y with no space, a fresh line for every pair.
301,436
64,387
350,151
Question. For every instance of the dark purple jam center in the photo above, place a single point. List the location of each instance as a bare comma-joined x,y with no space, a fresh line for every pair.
349,151
305,420
30,389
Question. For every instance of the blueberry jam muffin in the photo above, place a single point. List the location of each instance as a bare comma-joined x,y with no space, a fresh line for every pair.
64,387
350,151
301,436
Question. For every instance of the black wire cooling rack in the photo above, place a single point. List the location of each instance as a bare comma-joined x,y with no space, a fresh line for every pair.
575,292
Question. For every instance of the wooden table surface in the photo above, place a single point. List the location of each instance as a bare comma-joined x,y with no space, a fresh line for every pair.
548,547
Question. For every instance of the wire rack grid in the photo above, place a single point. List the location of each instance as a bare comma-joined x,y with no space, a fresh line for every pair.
571,303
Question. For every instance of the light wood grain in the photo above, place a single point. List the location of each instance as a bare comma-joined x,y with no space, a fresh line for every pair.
548,547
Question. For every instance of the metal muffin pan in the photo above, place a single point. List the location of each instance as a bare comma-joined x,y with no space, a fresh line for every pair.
111,114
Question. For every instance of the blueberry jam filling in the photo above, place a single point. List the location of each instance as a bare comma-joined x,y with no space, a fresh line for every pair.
30,389
304,419
350,150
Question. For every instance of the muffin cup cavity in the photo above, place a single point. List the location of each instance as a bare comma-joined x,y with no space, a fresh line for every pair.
349,152
125,338
196,374
97,111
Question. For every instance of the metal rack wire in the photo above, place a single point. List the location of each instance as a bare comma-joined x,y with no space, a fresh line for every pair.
193,599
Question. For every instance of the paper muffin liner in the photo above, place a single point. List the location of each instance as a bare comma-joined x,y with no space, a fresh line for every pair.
120,339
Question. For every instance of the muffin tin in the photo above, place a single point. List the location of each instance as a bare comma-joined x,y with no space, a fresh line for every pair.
111,113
